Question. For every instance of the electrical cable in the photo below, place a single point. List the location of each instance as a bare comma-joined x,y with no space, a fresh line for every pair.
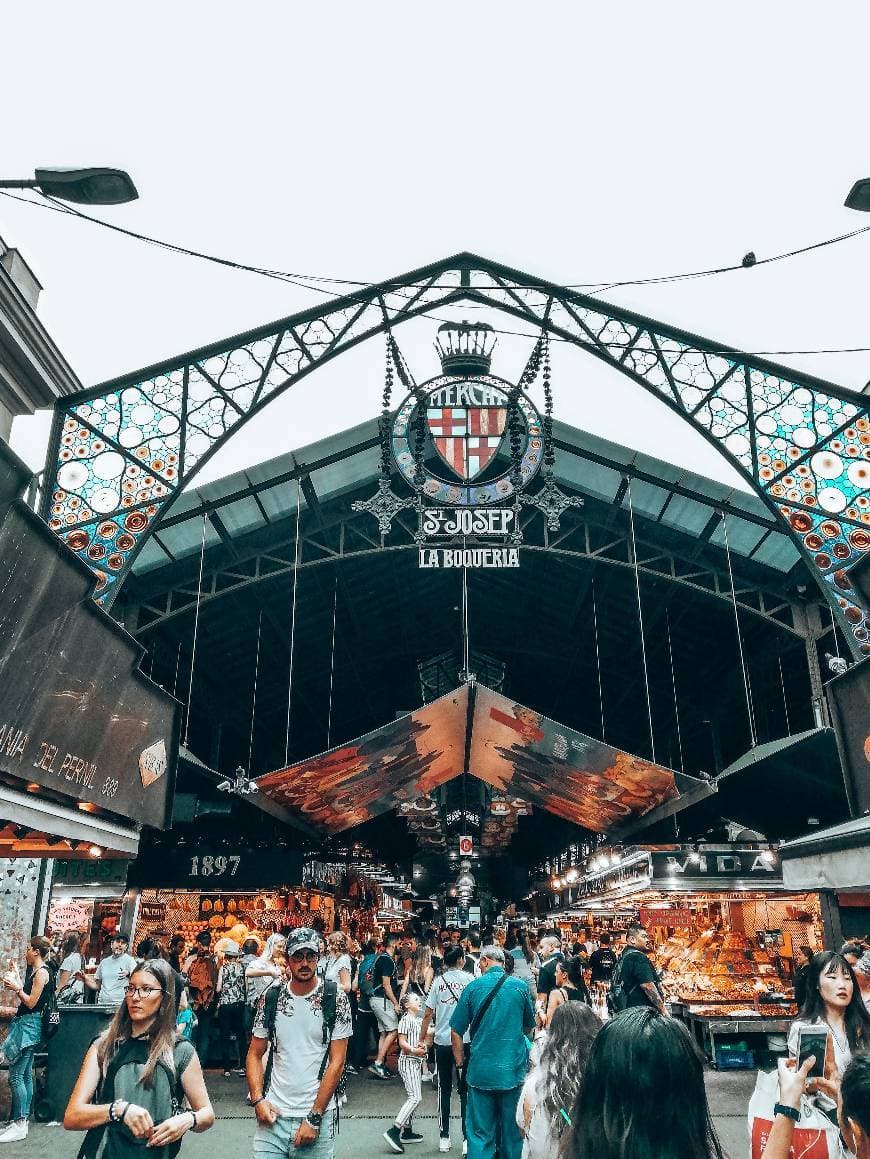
309,281
293,623
195,628
254,701
674,686
652,739
598,657
749,712
332,662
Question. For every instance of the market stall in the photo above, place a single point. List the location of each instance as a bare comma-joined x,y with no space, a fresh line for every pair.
727,935
241,892
86,898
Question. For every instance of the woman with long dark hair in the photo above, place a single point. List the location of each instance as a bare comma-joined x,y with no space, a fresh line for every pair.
833,1002
550,1089
570,986
135,1069
25,1032
642,1094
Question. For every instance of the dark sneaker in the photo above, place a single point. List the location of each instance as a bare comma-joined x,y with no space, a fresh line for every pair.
409,1135
393,1138
379,1070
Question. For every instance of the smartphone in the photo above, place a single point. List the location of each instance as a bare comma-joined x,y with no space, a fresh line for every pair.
812,1042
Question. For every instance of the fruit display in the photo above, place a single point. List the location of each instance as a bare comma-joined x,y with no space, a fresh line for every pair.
242,916
717,966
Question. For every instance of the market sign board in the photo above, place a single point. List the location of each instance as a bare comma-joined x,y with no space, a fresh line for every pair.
715,866
76,714
212,867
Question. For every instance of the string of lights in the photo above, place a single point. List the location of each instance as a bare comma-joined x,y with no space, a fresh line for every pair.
319,283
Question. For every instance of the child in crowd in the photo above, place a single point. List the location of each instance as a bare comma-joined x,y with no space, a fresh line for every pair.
411,1054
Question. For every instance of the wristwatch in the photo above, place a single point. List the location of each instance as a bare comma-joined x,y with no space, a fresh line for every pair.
314,1120
789,1112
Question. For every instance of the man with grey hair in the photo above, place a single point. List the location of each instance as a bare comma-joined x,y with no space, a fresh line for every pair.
550,949
496,1011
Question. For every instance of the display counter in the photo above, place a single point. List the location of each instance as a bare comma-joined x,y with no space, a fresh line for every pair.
741,1040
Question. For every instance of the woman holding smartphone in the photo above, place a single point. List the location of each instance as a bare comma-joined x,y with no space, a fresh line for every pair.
833,1004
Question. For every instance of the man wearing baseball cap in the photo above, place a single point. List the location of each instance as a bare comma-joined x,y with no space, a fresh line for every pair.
307,1022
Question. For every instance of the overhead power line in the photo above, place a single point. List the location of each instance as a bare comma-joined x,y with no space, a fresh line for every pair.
319,282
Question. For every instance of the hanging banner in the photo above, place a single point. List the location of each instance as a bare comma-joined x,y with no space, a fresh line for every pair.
466,846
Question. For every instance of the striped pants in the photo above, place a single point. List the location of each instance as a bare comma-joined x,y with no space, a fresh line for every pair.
410,1072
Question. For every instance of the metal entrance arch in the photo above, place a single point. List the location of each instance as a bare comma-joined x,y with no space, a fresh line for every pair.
121,452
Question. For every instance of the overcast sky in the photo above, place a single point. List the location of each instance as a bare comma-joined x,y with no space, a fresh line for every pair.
578,142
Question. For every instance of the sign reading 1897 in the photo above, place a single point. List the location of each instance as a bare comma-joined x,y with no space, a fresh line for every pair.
217,866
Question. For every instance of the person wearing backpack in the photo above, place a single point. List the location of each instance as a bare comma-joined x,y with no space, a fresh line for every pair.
304,1023
201,969
496,1010
365,1026
25,1031
635,981
137,1075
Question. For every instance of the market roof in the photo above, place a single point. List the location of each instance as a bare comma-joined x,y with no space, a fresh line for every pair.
249,500
374,635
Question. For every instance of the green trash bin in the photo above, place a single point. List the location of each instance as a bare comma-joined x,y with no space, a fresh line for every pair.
79,1026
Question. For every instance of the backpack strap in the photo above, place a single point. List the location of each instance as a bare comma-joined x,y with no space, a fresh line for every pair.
330,1009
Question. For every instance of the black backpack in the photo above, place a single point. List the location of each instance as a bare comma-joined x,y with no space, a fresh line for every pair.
618,995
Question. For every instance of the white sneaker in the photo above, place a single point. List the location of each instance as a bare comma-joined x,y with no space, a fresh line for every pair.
15,1132
443,1144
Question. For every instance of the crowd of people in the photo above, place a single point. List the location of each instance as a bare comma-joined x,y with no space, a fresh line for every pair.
553,1050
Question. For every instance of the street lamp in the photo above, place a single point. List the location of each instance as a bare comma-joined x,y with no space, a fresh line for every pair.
83,186
859,196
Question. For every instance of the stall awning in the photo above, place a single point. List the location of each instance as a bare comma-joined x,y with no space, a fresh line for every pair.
33,827
835,858
513,749
775,787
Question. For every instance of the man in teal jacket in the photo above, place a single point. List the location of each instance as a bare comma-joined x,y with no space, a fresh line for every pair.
497,1010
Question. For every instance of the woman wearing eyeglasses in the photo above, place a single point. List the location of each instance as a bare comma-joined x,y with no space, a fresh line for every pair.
137,1076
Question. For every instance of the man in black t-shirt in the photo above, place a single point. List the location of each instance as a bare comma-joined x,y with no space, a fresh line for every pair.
602,961
550,949
636,972
385,1003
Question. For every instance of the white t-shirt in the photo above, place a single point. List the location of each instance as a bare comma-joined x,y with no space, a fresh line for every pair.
299,1046
113,974
74,990
442,998
538,1142
334,966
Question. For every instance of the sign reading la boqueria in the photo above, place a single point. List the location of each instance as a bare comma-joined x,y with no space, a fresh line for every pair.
470,444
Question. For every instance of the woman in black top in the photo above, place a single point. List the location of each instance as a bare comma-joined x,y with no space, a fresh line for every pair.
25,1032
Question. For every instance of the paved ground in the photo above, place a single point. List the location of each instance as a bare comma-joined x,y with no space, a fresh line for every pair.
371,1105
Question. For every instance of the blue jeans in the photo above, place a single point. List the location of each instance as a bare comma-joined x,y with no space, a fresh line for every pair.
490,1124
21,1083
270,1142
